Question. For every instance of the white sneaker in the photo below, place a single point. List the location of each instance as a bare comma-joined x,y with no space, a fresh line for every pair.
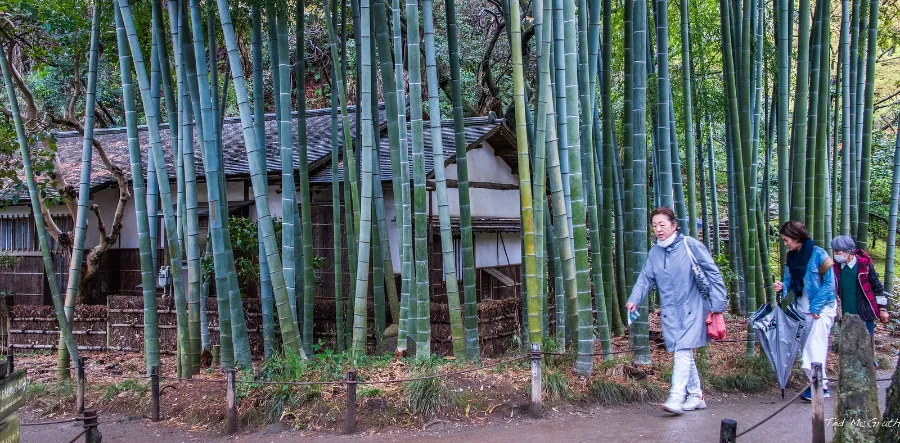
694,402
673,406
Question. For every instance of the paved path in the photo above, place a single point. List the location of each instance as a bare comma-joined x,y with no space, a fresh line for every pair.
640,423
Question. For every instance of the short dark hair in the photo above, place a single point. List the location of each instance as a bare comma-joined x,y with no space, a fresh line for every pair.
662,210
795,230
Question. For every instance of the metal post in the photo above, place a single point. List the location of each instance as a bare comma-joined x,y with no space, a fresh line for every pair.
728,431
350,413
90,423
536,406
818,404
154,393
80,381
231,402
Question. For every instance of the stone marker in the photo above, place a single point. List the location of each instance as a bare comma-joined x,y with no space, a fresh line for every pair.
856,411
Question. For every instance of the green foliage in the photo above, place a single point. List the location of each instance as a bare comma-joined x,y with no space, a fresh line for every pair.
245,243
7,260
728,274
114,390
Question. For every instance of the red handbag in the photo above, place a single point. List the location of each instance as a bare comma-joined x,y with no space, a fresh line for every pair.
715,326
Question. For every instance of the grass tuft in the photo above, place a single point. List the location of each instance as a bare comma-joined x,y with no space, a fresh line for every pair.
610,393
426,397
556,386
114,390
750,375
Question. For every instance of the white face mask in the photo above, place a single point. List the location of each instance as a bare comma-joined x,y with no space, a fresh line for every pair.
841,258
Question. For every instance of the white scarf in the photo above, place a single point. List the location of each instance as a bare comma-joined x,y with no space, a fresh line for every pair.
667,242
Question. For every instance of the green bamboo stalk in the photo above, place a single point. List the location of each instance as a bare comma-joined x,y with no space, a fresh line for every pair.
175,253
404,216
289,334
690,153
639,329
846,119
65,327
449,261
148,283
663,145
586,89
389,87
743,219
857,67
305,208
193,82
862,233
713,193
892,220
609,152
423,310
813,123
799,126
84,189
473,349
821,160
189,180
366,155
784,38
704,200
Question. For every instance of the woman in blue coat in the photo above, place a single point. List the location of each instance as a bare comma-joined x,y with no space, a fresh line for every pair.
683,309
809,276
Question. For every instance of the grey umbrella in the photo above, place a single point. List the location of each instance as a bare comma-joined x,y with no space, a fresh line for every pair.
779,332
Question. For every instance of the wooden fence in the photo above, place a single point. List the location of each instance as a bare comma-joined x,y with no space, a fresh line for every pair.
119,326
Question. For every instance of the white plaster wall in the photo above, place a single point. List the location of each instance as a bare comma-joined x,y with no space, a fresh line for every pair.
493,249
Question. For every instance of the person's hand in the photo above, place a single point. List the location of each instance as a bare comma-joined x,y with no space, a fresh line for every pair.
630,306
777,286
884,316
815,316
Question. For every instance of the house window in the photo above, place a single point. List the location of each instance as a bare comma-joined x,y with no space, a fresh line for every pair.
18,233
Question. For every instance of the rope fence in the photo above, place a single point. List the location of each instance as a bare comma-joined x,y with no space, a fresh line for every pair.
728,431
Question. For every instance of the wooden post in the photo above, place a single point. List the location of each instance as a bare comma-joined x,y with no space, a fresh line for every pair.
10,360
231,402
80,381
728,431
90,422
154,393
536,405
350,412
818,404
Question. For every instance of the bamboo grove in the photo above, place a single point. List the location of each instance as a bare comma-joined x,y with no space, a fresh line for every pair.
594,156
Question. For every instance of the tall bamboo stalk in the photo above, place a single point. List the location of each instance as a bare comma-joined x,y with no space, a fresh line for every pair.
892,221
34,196
366,155
799,121
289,336
473,349
639,330
175,253
862,233
84,188
690,153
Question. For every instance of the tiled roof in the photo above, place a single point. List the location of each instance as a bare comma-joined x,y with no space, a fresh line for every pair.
475,128
115,142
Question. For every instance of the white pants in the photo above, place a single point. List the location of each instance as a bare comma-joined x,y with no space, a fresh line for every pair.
815,345
685,378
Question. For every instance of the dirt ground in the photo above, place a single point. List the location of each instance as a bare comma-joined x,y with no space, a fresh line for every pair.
637,423
489,405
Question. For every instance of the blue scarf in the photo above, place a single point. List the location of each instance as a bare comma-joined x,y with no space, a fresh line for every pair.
797,262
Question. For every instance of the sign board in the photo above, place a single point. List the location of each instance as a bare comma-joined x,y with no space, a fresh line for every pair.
12,394
9,430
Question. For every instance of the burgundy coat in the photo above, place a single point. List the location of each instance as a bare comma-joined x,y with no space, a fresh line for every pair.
869,283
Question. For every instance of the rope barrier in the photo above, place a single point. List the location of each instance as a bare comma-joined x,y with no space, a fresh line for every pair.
776,412
340,382
56,422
